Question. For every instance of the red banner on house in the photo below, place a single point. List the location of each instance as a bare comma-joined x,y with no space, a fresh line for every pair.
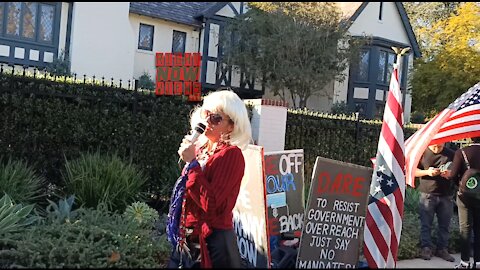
178,74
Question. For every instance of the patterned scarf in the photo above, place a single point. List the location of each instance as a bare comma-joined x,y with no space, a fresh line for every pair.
174,233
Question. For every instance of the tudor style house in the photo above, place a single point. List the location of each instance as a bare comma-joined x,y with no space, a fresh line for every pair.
119,40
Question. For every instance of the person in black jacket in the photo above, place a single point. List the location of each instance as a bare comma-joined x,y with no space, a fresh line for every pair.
468,211
436,199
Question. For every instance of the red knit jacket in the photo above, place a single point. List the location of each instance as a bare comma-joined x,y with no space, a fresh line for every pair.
212,193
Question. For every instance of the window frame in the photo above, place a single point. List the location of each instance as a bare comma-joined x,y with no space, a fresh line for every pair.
21,37
139,46
184,41
367,66
386,72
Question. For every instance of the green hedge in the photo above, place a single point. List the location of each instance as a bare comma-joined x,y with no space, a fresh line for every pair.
46,121
95,238
336,137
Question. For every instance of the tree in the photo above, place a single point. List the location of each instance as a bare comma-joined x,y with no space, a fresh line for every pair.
423,15
454,65
296,48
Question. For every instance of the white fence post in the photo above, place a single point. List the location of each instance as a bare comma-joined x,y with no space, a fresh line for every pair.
269,121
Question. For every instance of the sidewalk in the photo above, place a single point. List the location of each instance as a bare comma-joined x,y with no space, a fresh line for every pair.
435,262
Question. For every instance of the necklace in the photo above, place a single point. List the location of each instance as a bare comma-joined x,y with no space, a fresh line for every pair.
204,153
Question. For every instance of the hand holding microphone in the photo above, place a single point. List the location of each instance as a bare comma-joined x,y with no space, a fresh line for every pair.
187,148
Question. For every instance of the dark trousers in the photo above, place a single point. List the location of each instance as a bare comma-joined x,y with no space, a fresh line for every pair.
469,218
223,249
429,206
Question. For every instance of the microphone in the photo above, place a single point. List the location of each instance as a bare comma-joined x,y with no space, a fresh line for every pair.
197,131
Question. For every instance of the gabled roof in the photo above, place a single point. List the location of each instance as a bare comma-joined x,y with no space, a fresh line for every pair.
190,13
180,12
351,11
209,11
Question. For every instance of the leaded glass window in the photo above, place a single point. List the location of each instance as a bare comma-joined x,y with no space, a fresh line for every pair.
145,37
178,42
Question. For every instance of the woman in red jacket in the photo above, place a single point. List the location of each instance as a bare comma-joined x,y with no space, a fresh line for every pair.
214,180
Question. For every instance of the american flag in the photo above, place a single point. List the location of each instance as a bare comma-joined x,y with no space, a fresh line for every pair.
387,188
460,120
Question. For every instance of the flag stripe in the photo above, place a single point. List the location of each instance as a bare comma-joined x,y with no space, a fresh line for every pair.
395,108
419,142
458,136
374,223
397,219
395,148
466,121
390,161
460,120
474,111
383,222
368,255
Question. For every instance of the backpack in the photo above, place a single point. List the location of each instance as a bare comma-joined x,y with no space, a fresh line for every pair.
469,186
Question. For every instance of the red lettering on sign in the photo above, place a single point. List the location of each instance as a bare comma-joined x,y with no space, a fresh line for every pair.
160,89
178,61
270,166
343,184
273,226
159,60
196,96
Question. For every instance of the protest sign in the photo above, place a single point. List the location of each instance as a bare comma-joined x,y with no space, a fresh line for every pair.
249,214
335,215
284,182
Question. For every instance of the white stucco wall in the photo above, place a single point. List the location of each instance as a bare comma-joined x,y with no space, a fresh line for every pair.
63,28
391,28
368,24
162,41
102,41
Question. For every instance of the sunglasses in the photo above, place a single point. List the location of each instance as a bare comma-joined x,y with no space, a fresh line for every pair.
212,118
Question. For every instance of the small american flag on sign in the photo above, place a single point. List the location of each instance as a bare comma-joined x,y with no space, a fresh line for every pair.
460,120
383,223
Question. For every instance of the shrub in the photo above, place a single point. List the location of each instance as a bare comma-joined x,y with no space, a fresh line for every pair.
410,238
62,211
412,199
96,179
143,214
60,66
13,217
44,120
145,81
341,108
97,238
20,181
417,117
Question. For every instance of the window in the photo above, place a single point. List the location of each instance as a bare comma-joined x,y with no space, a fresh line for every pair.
361,108
178,42
362,74
28,21
379,110
145,37
385,66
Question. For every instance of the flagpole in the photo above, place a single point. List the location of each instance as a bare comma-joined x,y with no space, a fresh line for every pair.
400,53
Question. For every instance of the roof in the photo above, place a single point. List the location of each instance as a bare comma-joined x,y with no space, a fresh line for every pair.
190,13
351,10
179,12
